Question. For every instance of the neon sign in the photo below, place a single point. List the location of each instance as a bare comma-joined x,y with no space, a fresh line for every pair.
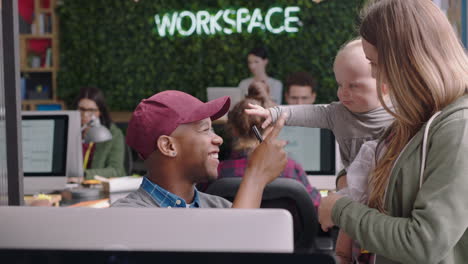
228,21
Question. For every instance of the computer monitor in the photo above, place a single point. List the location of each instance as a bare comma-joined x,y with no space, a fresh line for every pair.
52,151
233,92
200,230
317,151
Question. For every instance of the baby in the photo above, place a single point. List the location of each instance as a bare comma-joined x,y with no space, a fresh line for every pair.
358,117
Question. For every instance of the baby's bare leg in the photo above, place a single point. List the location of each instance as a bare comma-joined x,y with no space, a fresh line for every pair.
344,248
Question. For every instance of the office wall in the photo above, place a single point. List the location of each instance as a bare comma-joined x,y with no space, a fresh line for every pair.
116,46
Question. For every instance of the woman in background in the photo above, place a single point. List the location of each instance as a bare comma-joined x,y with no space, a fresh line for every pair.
260,91
257,60
106,158
244,142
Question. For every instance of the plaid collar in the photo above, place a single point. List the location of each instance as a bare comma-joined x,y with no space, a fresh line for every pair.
239,154
166,199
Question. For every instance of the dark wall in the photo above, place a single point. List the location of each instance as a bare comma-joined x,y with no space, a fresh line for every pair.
113,45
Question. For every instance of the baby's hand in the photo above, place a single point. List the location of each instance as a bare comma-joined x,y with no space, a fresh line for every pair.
260,111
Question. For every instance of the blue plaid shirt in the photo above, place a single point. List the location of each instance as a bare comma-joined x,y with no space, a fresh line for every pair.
167,199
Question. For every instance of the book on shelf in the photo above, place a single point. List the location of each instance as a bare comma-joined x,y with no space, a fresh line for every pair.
44,24
24,26
48,24
23,88
41,21
48,58
34,61
33,29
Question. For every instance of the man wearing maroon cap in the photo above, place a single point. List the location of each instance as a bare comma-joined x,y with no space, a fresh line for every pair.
172,133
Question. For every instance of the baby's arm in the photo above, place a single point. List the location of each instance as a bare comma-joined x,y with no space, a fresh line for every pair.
258,110
321,116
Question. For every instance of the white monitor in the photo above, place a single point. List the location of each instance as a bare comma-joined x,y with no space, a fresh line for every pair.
147,229
52,149
233,92
317,151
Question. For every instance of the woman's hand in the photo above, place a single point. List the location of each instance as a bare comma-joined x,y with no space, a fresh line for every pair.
260,111
325,210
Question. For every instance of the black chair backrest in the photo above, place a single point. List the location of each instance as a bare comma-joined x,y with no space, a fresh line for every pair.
282,193
128,160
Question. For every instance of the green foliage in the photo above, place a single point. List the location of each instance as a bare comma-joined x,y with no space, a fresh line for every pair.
112,44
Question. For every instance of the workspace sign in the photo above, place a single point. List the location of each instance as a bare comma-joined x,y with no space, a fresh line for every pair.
275,20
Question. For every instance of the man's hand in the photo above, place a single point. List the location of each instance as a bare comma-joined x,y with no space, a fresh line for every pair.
266,163
325,210
269,158
257,110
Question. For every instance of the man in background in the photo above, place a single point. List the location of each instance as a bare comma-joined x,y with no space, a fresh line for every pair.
300,89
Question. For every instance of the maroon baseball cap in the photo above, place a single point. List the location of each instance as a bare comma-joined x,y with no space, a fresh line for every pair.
163,112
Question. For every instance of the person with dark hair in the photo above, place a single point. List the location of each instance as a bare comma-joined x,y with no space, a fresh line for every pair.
300,89
105,158
260,91
257,60
240,126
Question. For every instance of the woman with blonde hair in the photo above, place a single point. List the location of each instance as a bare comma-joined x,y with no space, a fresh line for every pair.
417,210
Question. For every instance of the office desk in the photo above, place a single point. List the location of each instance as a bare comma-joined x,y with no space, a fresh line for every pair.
76,256
89,197
43,200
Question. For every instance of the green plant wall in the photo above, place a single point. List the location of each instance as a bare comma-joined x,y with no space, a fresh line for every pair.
112,44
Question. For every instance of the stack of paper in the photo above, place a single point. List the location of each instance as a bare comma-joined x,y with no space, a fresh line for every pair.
119,184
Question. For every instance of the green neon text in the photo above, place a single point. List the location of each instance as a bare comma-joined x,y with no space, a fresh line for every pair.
228,21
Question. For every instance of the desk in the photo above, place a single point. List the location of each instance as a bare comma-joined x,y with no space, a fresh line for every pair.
43,200
31,256
120,117
89,197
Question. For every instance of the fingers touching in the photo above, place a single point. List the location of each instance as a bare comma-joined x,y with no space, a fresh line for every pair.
277,128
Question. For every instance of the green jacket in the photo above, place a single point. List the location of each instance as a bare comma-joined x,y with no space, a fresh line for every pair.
426,225
108,158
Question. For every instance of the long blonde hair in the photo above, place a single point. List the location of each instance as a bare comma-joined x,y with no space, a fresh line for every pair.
424,66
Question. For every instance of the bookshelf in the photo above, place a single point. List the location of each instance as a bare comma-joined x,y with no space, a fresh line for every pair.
39,53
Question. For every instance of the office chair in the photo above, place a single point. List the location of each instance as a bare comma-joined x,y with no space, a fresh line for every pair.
128,160
282,193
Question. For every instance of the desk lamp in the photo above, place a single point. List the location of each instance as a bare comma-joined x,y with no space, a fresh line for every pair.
96,133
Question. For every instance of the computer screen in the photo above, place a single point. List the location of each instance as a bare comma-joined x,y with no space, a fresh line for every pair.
316,150
44,142
51,143
201,230
233,92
